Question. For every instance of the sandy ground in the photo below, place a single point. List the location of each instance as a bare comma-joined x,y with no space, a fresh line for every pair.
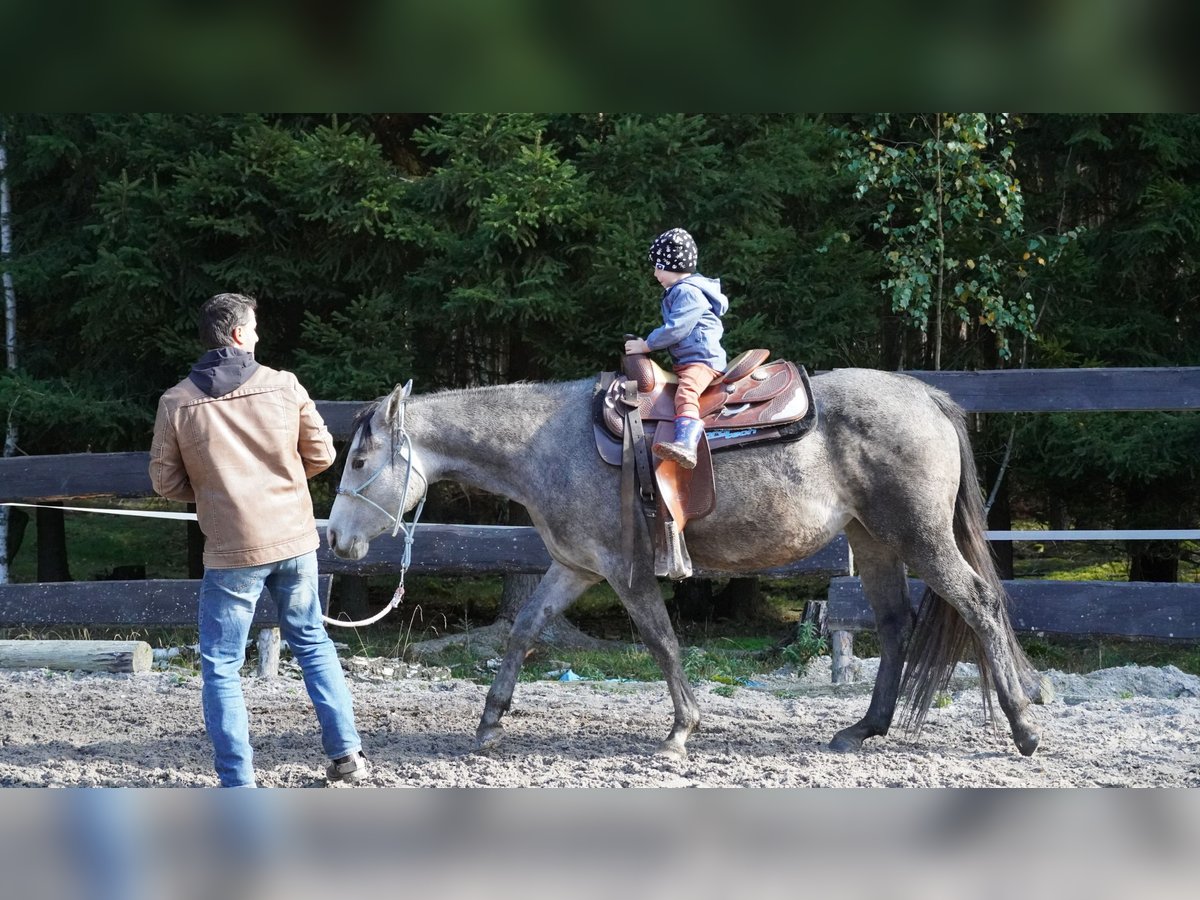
1118,727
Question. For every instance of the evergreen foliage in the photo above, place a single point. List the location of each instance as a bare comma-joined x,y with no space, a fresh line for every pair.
474,249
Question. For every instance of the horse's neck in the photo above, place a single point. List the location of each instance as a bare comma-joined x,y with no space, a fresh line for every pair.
484,437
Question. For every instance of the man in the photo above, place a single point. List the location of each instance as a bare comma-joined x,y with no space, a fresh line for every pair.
240,440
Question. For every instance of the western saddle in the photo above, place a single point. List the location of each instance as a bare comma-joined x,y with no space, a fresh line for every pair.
754,401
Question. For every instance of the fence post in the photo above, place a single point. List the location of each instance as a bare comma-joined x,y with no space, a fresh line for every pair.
842,648
268,653
52,544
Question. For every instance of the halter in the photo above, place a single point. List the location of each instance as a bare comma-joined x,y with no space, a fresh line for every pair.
400,441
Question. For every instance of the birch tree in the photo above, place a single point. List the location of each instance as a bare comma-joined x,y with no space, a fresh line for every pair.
10,334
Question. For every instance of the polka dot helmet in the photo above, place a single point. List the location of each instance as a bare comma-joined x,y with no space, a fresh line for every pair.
674,251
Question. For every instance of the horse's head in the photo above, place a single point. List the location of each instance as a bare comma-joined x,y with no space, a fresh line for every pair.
380,468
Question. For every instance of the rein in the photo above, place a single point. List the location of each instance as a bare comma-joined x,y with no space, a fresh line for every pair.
400,441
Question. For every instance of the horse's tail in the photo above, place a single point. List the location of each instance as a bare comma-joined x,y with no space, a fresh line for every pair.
941,636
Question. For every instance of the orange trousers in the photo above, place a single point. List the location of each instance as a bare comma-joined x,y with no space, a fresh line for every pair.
693,379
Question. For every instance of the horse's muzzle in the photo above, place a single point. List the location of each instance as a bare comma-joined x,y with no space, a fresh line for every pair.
353,549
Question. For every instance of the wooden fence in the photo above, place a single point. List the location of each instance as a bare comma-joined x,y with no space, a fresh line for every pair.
1146,610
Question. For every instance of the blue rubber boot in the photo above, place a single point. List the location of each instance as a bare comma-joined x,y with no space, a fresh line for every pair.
682,450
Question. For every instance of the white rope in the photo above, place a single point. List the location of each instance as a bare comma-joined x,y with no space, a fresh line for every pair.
141,513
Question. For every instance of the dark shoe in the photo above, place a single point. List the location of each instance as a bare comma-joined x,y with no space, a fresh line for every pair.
350,768
682,450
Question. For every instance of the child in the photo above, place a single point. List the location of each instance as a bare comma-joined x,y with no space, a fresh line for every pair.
692,306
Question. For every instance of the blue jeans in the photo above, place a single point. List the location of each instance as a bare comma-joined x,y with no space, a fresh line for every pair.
227,600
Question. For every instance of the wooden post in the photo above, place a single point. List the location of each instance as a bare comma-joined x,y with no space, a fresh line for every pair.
195,547
268,653
351,596
842,645
86,656
52,544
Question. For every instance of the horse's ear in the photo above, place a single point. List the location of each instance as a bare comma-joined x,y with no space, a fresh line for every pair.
398,395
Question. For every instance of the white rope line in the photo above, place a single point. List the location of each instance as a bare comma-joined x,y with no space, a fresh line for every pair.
140,513
1168,534
1177,534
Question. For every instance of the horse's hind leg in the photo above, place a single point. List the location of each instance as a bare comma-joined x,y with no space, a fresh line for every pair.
949,576
643,601
557,590
886,589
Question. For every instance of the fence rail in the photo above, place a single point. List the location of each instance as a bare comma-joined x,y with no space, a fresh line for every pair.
1059,607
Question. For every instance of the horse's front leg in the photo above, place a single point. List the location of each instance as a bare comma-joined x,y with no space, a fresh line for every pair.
557,590
644,603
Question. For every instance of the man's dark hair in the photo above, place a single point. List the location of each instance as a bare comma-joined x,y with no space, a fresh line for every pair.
220,315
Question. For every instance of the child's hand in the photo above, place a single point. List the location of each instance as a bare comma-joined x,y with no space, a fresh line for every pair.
635,346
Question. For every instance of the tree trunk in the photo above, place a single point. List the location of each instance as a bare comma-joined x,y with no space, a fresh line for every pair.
516,590
692,599
1154,561
740,600
18,521
52,545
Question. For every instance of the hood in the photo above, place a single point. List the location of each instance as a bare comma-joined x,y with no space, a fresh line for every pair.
222,371
711,287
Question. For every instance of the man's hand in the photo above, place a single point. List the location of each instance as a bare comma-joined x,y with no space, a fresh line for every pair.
635,346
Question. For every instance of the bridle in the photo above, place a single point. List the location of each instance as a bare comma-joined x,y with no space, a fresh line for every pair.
400,442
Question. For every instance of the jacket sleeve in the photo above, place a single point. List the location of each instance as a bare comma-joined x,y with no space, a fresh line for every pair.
316,443
686,306
168,475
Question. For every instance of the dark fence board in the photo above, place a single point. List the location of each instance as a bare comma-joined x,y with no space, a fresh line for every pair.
339,415
118,603
1070,390
1109,608
68,476
514,550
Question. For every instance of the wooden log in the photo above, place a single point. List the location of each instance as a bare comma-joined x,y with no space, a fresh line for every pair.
1168,612
86,656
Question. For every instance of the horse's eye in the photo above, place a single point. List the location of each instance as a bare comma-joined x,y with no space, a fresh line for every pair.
357,464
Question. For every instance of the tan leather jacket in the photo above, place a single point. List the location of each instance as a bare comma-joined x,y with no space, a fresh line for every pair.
244,459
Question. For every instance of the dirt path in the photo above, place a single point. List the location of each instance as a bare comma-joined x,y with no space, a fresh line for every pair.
1119,727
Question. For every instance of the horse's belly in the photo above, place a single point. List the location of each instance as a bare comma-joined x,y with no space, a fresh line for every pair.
761,535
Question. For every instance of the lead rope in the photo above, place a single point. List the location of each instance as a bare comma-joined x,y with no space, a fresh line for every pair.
410,528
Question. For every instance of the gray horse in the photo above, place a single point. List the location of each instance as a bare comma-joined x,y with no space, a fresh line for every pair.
889,463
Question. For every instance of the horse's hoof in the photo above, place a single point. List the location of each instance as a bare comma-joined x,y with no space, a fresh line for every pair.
671,750
845,743
1028,742
488,737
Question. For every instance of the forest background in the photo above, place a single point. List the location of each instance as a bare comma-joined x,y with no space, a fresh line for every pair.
473,249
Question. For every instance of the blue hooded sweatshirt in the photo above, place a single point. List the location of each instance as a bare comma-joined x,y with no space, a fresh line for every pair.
691,330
